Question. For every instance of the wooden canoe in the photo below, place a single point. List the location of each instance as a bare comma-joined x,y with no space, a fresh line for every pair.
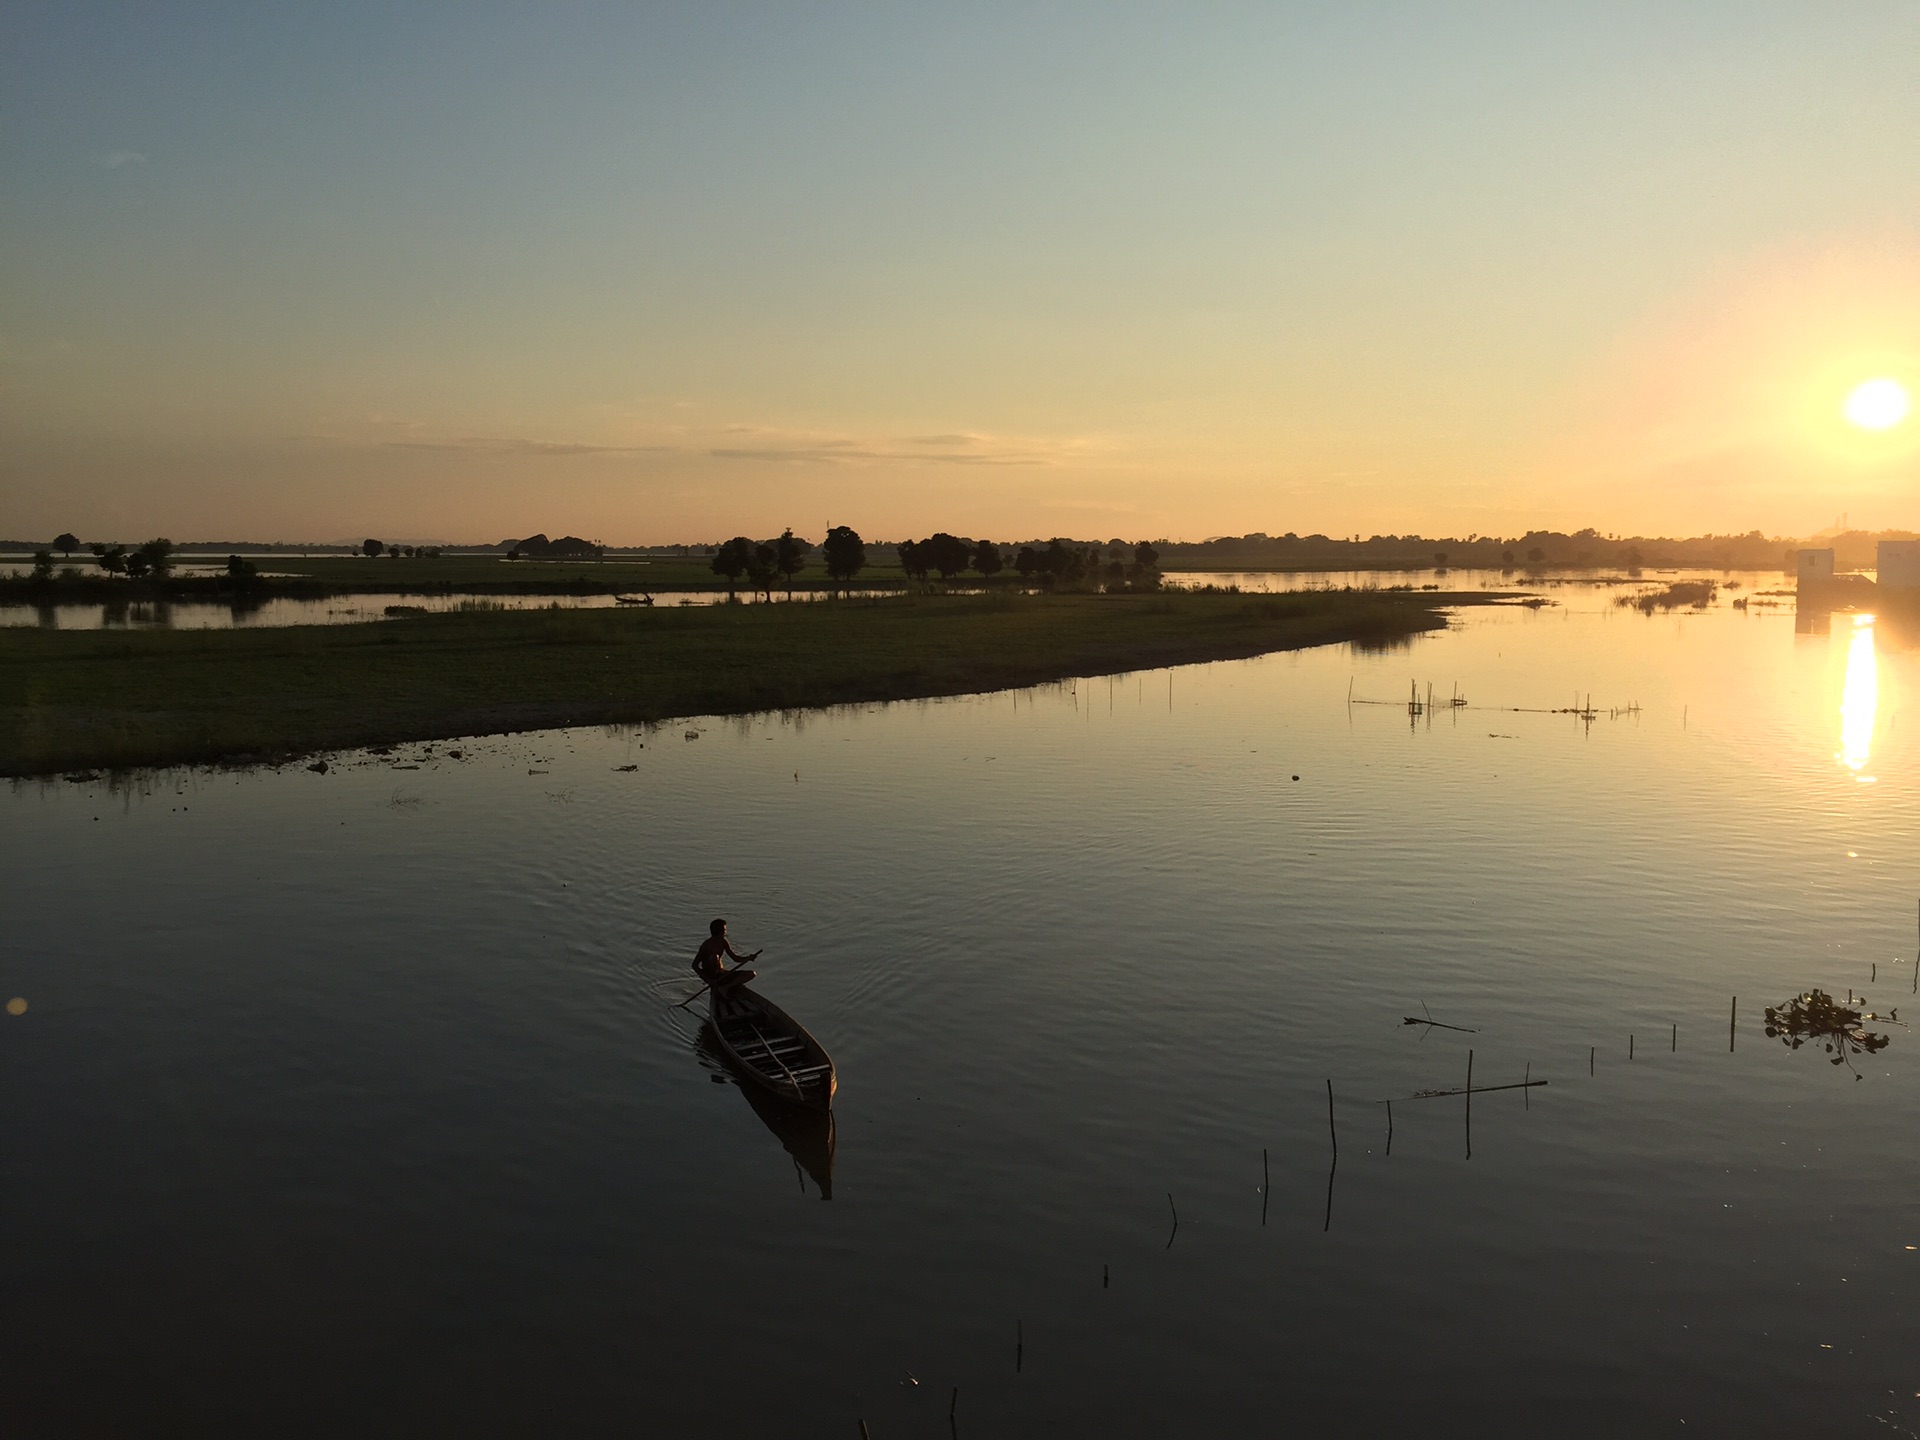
770,1047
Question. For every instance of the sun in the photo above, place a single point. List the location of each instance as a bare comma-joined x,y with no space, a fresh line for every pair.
1878,404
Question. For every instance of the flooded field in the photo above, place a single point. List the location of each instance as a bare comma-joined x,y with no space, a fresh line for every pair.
361,1098
333,609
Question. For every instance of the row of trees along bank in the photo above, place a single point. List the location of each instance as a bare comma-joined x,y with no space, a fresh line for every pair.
151,561
1115,566
1059,563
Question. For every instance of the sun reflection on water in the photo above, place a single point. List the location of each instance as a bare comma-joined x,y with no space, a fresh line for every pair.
1859,699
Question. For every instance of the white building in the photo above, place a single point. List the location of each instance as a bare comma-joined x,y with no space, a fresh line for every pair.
1815,566
1900,564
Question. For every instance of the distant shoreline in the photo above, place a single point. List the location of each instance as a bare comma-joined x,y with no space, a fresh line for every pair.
82,701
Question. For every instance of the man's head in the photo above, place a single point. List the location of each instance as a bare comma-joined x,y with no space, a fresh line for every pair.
717,929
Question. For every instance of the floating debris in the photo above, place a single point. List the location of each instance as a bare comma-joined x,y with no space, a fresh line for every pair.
1840,1028
1436,1024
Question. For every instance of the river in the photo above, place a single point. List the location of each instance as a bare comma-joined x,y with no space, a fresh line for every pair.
358,1101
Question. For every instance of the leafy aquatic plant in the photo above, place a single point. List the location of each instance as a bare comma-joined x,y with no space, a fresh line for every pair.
1839,1028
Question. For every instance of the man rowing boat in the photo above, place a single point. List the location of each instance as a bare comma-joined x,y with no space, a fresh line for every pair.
710,964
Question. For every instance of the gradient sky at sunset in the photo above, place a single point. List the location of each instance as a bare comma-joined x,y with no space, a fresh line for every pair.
653,273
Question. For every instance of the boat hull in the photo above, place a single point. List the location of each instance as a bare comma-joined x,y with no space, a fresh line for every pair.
771,1049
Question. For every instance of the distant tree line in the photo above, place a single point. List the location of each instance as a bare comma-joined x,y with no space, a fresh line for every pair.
1060,563
151,561
374,549
1535,548
761,562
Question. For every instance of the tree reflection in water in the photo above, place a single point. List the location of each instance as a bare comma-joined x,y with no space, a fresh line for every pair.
1839,1028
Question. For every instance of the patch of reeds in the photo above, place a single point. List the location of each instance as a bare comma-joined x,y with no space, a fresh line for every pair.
1693,594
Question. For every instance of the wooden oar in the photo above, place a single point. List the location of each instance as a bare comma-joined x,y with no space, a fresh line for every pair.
705,987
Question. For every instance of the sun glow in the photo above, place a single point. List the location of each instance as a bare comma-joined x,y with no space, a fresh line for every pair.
1878,404
1859,699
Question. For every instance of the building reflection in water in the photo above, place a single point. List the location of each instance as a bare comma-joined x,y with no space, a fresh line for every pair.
1859,700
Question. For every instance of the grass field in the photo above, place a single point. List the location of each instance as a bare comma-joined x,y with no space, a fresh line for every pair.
89,699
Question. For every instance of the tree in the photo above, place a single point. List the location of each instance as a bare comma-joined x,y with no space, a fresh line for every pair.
42,567
242,573
371,549
845,553
986,559
156,557
948,554
1144,573
790,556
731,560
137,563
763,567
111,558
1506,557
913,558
66,543
1440,558
1057,562
1536,555
1026,562
393,552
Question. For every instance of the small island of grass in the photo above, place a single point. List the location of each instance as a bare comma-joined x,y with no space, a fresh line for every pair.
86,700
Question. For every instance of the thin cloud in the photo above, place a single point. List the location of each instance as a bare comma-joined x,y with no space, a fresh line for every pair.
516,445
945,449
846,453
119,159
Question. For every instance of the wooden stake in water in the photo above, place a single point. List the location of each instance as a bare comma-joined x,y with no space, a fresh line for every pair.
1019,1346
954,1404
1334,1136
1176,1221
1676,1037
1590,1053
1469,1104
1629,1047
1106,1277
1733,1019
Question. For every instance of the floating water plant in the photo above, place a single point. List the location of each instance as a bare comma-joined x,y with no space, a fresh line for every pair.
1697,593
1840,1028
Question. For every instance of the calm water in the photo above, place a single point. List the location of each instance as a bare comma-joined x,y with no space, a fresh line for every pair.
355,1102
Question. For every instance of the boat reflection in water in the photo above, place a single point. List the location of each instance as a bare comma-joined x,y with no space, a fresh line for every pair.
1859,700
806,1135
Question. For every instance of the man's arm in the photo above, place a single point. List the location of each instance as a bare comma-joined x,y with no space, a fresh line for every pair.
743,959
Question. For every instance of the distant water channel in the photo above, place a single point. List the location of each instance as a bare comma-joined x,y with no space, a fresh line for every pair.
356,1102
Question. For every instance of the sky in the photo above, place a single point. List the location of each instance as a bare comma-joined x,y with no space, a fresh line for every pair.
659,273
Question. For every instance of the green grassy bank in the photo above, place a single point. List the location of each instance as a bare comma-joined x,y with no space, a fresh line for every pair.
89,699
